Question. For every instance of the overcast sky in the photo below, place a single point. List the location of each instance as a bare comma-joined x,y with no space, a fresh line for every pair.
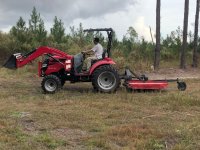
118,14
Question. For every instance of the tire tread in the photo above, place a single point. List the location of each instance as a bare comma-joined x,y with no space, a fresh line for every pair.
54,77
98,71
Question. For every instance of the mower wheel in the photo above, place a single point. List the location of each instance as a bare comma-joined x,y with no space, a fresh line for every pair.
105,79
182,86
50,84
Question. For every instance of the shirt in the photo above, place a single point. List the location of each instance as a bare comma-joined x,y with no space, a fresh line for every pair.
98,50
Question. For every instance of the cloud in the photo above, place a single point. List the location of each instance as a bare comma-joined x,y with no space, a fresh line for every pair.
67,10
142,29
118,14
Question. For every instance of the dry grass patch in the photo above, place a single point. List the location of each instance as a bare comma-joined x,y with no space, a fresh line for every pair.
77,118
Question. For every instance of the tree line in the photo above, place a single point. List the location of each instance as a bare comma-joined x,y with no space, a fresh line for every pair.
184,43
24,37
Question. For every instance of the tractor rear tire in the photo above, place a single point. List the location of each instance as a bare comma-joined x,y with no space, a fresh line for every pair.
50,84
105,79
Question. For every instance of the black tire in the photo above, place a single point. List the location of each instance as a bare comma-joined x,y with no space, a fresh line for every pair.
182,86
105,79
61,78
50,84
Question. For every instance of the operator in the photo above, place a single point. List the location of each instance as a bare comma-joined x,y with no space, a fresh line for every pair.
97,54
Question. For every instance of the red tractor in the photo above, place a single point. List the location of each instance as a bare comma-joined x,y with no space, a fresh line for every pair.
58,67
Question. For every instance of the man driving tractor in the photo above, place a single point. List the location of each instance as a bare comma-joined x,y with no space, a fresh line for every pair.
96,51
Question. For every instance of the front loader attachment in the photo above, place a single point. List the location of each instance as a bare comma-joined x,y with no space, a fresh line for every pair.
11,62
18,60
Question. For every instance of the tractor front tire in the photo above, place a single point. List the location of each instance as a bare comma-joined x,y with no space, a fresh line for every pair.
50,84
105,79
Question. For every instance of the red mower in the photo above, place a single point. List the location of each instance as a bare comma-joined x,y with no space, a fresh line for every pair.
58,67
132,82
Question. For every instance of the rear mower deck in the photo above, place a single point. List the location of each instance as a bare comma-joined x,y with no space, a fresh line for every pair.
132,81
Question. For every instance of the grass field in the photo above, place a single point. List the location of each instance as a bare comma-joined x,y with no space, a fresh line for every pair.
77,118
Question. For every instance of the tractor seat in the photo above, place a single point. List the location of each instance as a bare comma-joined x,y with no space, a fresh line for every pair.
103,56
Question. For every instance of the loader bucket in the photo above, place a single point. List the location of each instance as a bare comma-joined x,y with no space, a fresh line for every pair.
11,62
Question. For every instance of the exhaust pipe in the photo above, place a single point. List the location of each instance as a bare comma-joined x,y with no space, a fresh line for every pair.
11,62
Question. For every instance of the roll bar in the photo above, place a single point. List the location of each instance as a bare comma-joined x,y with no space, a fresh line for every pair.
109,33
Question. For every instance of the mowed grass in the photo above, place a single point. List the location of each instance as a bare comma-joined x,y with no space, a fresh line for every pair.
77,118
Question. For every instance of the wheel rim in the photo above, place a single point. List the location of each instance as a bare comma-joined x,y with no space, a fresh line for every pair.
50,85
106,80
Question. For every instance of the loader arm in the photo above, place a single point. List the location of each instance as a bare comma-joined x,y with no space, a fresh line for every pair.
18,60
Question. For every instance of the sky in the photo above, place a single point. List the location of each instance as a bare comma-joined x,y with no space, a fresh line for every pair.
118,14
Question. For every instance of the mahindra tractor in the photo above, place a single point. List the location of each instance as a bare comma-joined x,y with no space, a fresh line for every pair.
58,67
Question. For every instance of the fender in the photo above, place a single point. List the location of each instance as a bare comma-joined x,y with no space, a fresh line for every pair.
105,61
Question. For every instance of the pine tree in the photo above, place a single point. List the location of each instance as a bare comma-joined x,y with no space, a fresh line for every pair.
19,31
78,35
129,40
157,49
58,30
41,32
133,35
195,54
185,30
36,27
